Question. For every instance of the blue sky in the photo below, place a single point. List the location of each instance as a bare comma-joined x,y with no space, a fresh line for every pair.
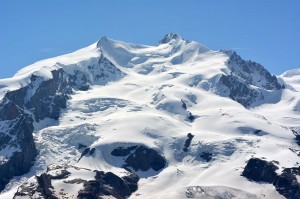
266,31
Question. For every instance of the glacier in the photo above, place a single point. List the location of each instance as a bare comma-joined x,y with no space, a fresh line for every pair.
175,120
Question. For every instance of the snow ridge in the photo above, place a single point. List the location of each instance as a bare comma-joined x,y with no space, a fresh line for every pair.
104,112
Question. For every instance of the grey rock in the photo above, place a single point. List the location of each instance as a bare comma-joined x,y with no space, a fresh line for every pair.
237,90
206,156
21,161
122,151
38,100
297,136
188,142
144,158
168,37
44,186
109,184
260,170
244,76
287,184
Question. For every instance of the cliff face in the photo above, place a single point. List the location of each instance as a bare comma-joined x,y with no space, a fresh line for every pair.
40,99
19,110
247,82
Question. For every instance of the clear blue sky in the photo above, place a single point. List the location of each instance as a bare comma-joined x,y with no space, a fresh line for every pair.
266,31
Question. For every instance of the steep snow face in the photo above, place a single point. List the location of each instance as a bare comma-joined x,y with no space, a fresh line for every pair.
43,67
292,77
178,101
286,110
87,66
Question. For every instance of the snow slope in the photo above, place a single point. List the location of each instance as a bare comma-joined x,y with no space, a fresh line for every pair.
150,104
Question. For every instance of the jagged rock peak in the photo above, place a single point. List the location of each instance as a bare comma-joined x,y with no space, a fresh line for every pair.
169,37
229,52
103,39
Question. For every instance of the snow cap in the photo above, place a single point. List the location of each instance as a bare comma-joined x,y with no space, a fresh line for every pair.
103,39
169,37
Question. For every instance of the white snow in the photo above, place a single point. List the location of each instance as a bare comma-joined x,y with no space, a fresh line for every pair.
145,108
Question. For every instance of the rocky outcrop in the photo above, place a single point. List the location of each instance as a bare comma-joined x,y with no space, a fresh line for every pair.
246,82
262,171
103,184
109,184
45,186
297,136
140,158
20,108
287,184
50,97
171,36
207,156
190,116
42,98
188,142
231,86
251,72
121,151
18,138
145,158
40,188
87,152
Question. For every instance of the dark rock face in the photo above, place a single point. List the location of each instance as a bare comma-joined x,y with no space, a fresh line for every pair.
9,110
257,132
260,170
41,98
87,152
63,175
297,138
44,98
38,100
242,68
109,184
50,97
191,117
104,184
145,158
188,142
141,158
91,190
19,137
206,156
184,105
44,186
238,91
286,183
237,85
120,151
81,146
92,151
167,38
131,182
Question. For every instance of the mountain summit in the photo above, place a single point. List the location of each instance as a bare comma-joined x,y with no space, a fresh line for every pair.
175,120
169,37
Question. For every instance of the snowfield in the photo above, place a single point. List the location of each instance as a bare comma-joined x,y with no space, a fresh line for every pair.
158,96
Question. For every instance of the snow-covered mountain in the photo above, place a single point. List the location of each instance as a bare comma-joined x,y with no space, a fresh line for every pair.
176,120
